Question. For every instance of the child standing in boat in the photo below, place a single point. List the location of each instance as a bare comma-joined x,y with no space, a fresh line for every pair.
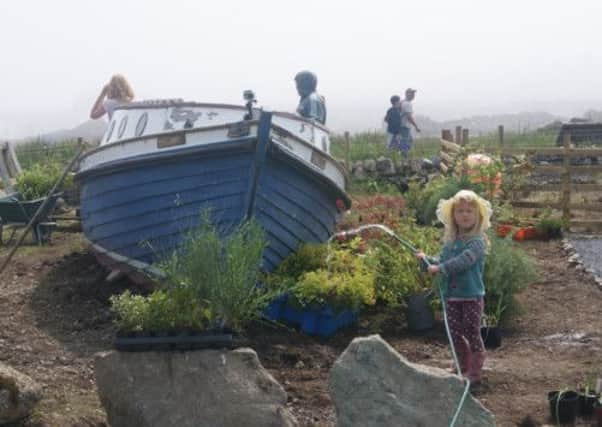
466,217
115,93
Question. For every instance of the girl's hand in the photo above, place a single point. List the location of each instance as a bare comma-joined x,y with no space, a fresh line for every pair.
420,255
433,269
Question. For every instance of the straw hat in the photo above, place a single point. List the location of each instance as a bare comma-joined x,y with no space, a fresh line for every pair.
445,208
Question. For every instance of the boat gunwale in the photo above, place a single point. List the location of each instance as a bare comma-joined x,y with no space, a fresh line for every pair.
169,103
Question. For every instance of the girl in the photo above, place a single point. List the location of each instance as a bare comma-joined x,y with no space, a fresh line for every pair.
466,217
118,91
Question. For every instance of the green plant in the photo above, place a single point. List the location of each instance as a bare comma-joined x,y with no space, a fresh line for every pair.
508,270
37,181
221,272
162,310
341,278
549,227
398,273
424,201
131,311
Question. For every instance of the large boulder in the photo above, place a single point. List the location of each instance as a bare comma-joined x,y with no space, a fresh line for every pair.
194,388
18,395
373,385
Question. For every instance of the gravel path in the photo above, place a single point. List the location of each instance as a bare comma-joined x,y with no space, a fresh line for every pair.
589,249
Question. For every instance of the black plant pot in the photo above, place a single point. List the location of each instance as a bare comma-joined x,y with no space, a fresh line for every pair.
419,313
563,406
173,341
586,403
492,336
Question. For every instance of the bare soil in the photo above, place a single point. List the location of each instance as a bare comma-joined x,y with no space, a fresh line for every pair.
55,316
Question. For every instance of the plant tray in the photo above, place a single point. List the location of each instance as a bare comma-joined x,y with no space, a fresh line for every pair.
173,342
320,321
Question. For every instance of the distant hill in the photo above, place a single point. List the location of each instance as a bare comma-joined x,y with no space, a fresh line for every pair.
518,122
91,130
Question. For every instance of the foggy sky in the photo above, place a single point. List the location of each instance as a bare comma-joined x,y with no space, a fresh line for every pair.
464,57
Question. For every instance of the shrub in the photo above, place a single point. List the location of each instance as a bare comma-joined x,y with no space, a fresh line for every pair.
424,200
313,276
508,270
549,227
398,272
345,283
221,272
37,181
160,311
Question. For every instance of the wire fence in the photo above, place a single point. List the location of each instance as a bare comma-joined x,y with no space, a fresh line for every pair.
43,152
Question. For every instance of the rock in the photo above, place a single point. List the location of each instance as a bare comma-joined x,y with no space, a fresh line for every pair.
373,385
18,395
370,165
358,170
192,388
416,165
385,166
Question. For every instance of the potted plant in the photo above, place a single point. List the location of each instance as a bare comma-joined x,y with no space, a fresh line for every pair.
548,227
207,292
598,411
491,332
323,290
587,399
563,405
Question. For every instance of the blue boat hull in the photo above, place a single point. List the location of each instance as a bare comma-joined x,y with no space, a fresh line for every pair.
141,209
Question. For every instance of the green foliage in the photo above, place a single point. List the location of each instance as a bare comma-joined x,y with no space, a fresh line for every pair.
549,227
508,270
309,257
221,273
342,278
162,310
398,272
423,201
372,145
37,181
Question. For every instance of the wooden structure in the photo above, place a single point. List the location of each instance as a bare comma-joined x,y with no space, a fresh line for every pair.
9,166
566,190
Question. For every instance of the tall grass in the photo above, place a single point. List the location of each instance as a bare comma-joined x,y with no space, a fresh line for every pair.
372,145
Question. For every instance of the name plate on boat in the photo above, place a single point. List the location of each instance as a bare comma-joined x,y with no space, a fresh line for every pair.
239,129
318,159
165,141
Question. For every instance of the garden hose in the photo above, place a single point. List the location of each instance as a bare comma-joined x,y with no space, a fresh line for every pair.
424,264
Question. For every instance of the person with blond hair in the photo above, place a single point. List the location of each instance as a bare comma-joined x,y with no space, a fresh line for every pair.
466,217
115,93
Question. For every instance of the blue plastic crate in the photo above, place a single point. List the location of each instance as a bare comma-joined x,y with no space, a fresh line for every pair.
321,321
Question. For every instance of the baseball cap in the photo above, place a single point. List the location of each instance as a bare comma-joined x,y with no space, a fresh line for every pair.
410,90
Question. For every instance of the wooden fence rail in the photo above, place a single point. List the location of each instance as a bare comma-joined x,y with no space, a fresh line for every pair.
452,151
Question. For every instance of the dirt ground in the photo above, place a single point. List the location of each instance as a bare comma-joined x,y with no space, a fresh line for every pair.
55,316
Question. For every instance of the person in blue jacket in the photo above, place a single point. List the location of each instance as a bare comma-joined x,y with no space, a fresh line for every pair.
466,216
311,104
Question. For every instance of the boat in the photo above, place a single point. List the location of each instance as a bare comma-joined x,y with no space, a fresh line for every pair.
162,162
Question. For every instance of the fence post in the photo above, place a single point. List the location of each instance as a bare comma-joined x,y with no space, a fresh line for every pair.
500,134
347,152
464,136
566,178
458,139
